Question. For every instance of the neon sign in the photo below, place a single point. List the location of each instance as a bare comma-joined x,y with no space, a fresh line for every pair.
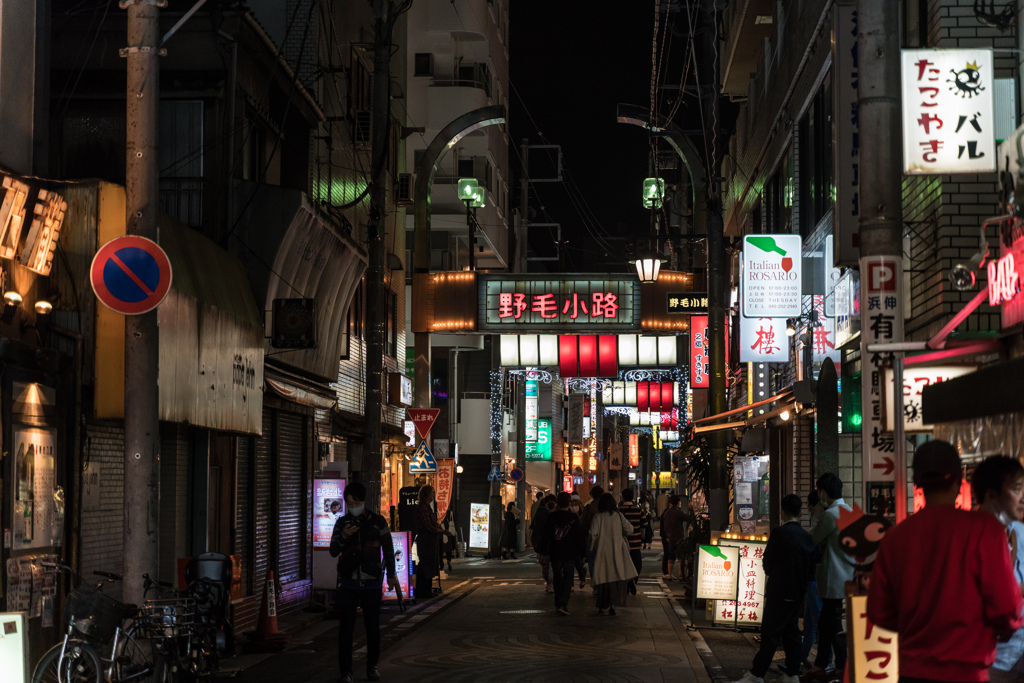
1003,280
549,302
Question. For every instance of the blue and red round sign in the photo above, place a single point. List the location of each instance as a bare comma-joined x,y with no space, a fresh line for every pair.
130,275
516,474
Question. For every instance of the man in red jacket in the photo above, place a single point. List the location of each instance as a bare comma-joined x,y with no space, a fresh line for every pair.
943,581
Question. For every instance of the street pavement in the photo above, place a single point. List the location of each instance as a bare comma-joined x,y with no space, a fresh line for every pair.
494,622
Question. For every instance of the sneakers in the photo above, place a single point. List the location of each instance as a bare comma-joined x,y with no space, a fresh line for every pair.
563,611
372,674
750,678
549,588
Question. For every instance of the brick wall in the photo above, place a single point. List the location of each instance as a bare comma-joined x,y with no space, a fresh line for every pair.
102,535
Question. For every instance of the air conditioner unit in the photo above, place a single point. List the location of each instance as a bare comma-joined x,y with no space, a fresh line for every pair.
361,127
405,189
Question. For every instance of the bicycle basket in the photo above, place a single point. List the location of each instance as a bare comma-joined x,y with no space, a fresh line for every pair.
97,616
168,618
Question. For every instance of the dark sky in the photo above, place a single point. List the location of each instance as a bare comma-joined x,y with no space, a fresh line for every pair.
572,62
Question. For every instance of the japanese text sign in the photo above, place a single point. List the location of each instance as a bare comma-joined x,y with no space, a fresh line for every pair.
763,340
423,419
524,303
717,571
881,323
772,272
700,351
948,123
915,379
328,506
823,335
1004,278
686,302
531,408
748,608
874,657
541,448
444,483
634,450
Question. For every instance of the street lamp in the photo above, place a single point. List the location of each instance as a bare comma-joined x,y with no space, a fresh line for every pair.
648,261
474,196
654,192
648,265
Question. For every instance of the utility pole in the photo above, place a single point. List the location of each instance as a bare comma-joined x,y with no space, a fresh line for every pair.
376,227
141,344
706,69
881,222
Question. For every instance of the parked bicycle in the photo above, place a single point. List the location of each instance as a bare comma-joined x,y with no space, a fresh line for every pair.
107,641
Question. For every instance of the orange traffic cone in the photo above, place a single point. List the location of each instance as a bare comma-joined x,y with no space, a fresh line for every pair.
266,636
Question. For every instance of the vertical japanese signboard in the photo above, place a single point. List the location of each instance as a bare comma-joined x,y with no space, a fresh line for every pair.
847,296
771,286
874,652
444,484
948,125
845,58
634,450
541,449
881,323
531,410
328,506
748,607
823,336
401,540
717,569
763,340
699,352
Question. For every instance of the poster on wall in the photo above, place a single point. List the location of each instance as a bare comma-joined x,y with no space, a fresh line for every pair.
328,506
403,567
479,525
33,502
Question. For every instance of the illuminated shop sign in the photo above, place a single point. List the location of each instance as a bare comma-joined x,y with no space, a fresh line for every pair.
772,276
517,303
687,302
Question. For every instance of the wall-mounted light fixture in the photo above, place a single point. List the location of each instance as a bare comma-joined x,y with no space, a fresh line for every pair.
43,307
11,302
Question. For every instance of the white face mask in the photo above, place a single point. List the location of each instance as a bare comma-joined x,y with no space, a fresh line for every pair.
356,510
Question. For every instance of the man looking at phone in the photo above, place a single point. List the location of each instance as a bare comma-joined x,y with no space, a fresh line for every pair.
363,540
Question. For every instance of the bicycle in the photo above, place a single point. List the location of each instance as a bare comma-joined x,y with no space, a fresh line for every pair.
147,643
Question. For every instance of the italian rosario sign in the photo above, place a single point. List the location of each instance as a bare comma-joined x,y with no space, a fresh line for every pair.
948,124
772,269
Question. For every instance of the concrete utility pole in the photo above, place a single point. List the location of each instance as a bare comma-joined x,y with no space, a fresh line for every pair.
881,217
706,69
141,344
376,302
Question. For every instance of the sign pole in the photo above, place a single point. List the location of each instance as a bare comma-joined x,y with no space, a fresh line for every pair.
899,439
141,342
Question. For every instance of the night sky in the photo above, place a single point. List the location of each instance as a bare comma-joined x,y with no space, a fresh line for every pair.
572,62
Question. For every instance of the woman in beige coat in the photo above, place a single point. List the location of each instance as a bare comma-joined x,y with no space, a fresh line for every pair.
613,567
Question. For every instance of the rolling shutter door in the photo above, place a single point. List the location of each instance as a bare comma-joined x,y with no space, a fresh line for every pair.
263,499
243,527
291,490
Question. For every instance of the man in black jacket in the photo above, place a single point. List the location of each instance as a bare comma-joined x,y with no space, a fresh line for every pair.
363,540
788,561
561,541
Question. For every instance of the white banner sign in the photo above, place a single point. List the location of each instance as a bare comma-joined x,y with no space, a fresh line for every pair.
772,269
948,126
847,297
717,569
832,277
914,381
823,337
749,605
763,340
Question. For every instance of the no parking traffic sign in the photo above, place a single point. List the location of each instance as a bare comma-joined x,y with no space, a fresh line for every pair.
130,275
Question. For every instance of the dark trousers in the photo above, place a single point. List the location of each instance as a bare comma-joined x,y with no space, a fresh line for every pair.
830,625
348,600
638,561
562,571
779,625
426,567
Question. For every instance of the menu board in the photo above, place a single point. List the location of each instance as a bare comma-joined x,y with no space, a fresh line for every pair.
328,506
479,525
403,566
717,568
748,608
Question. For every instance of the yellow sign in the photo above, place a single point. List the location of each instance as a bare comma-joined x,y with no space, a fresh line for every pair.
874,651
663,480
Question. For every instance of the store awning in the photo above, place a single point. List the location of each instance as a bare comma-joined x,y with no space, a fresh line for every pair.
993,390
733,419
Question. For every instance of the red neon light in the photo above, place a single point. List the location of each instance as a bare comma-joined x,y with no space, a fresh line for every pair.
608,355
567,356
1003,280
699,362
643,403
588,355
634,450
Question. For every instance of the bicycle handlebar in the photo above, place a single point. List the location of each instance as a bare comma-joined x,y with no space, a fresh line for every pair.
109,576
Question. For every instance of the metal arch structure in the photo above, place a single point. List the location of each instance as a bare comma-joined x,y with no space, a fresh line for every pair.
639,116
432,157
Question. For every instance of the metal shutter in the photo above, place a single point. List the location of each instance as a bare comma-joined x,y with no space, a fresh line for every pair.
243,527
291,491
263,499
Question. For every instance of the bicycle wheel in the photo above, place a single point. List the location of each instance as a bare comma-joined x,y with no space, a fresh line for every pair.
136,655
80,664
168,669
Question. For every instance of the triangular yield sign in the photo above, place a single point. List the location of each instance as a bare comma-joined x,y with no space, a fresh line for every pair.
423,419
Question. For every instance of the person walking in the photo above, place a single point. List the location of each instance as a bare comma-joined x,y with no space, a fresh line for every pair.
547,504
428,535
788,562
812,602
998,487
362,543
671,531
586,517
646,527
943,581
631,512
511,531
562,542
533,512
613,563
835,569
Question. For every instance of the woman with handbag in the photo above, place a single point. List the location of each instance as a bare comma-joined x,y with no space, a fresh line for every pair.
613,566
